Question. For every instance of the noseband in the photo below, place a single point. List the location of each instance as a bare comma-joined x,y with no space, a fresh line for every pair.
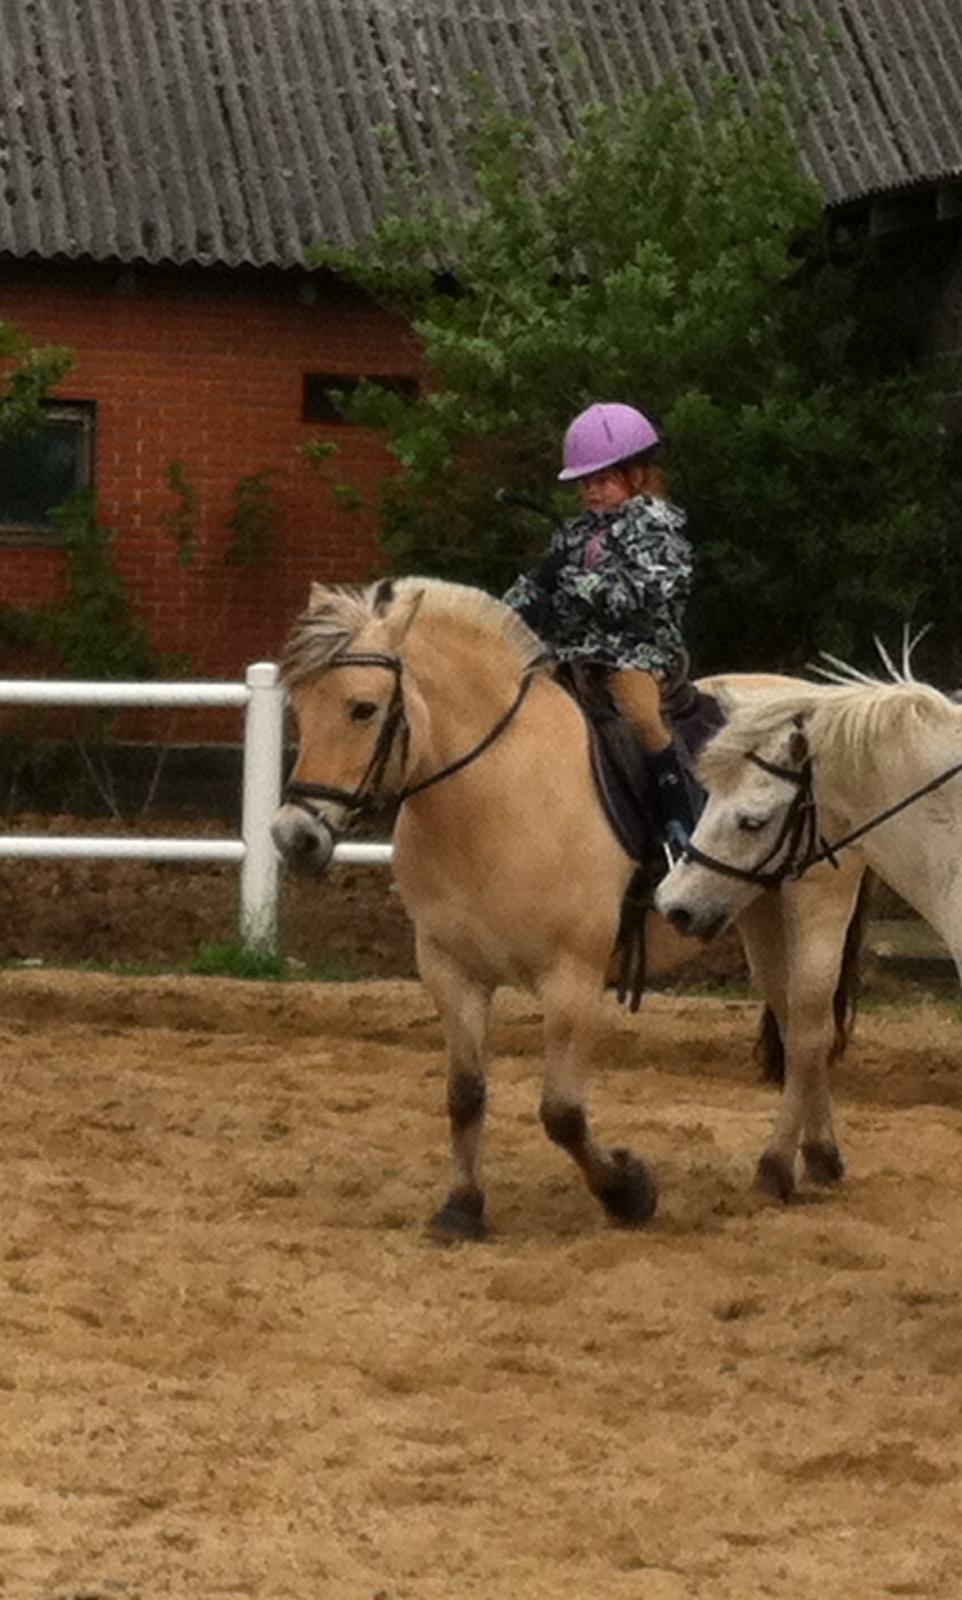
395,733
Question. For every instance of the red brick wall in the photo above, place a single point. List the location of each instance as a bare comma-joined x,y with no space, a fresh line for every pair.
207,368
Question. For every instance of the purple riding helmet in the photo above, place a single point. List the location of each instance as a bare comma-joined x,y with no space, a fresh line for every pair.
605,434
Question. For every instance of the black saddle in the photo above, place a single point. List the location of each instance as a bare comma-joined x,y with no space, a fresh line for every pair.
618,760
620,770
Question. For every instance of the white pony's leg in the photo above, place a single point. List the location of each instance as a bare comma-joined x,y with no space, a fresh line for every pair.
623,1183
817,912
464,1007
761,927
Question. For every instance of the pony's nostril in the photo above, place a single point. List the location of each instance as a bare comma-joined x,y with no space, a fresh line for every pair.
307,845
680,918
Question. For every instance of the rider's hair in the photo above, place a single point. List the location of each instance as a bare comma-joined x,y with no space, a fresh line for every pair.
654,482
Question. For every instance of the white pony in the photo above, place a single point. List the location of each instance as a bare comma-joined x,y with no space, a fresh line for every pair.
798,775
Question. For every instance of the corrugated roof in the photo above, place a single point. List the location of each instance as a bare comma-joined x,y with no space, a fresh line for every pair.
239,131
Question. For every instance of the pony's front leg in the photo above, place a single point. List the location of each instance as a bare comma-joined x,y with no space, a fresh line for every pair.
463,1006
817,912
623,1183
761,927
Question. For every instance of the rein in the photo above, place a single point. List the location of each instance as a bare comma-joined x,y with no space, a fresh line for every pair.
368,795
805,846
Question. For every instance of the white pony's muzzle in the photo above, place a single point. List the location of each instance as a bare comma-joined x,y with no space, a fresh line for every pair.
304,840
697,916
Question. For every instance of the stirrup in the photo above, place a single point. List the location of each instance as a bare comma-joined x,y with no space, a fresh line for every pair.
674,843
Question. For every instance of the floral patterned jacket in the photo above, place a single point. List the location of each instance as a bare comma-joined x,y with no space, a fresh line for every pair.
613,587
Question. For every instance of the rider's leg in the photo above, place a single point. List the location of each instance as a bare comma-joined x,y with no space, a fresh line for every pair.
638,697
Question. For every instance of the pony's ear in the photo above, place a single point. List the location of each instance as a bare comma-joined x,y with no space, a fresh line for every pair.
317,596
798,744
383,597
400,617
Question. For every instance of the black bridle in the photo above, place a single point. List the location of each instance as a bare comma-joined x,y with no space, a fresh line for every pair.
393,735
799,843
799,836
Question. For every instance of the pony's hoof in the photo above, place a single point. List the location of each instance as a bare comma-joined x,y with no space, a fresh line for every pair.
823,1163
630,1194
461,1217
774,1176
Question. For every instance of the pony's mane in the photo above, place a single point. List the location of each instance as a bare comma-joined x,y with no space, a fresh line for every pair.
852,718
337,615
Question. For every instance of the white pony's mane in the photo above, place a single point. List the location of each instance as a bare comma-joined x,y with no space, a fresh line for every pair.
854,717
337,614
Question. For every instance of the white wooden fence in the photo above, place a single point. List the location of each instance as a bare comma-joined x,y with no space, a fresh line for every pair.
262,700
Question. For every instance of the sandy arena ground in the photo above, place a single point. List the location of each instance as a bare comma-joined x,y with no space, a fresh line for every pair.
233,1365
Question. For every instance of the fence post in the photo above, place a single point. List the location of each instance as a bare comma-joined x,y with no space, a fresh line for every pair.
263,754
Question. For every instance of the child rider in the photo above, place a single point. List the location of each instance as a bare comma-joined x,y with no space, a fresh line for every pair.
614,583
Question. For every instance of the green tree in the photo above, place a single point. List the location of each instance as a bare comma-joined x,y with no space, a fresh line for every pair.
29,371
91,631
675,256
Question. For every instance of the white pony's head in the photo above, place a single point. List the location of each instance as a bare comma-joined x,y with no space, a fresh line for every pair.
838,748
753,771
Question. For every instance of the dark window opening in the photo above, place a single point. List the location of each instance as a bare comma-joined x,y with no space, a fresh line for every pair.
42,469
320,389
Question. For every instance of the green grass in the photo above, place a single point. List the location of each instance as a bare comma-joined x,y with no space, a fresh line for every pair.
227,958
221,958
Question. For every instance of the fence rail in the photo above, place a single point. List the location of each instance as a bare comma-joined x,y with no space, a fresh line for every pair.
261,698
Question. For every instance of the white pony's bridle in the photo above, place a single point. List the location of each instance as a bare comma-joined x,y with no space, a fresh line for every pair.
798,845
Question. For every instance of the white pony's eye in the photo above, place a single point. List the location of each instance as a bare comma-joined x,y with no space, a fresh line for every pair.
748,824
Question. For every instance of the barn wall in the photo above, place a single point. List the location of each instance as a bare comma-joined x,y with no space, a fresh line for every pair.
207,368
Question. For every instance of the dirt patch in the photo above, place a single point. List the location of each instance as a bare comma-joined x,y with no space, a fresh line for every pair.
232,1364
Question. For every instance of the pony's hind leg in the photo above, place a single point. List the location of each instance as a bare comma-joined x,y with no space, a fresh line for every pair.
622,1182
463,1006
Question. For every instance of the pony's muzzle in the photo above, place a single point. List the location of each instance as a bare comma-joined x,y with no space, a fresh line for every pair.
702,923
303,840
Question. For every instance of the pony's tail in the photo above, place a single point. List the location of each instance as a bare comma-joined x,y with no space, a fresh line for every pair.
770,1046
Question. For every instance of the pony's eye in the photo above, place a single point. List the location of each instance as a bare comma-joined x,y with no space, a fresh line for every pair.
752,824
363,710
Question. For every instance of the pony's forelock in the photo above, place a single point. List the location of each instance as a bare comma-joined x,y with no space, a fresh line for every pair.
337,615
319,633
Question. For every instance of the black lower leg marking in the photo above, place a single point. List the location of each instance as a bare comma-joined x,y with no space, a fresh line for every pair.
461,1216
629,1194
466,1098
774,1176
823,1162
566,1125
